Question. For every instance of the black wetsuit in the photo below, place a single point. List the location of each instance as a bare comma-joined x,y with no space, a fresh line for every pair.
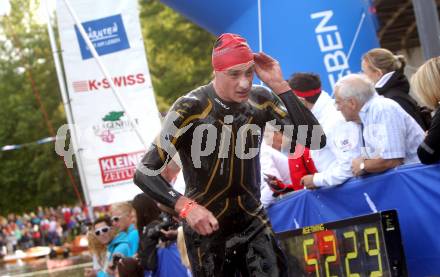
224,179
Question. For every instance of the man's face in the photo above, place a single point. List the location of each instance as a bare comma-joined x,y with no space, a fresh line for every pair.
235,83
347,106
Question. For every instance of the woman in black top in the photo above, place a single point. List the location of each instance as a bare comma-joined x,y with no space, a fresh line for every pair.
426,83
386,70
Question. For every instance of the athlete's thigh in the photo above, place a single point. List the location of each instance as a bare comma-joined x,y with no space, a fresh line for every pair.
263,257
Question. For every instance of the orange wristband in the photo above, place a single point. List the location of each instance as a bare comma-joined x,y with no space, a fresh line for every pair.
187,208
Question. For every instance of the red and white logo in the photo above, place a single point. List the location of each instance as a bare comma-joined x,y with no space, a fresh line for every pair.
107,136
119,81
119,167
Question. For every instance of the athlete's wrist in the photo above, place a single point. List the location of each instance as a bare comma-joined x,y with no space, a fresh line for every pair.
181,203
190,205
279,87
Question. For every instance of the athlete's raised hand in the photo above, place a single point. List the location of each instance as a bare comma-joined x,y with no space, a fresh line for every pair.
269,71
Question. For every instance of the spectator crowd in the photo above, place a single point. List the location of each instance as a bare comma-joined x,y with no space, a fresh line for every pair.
44,227
372,124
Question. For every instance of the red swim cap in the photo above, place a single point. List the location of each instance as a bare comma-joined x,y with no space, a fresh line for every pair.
230,50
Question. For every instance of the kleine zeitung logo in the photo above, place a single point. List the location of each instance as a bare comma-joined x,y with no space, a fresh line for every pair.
119,167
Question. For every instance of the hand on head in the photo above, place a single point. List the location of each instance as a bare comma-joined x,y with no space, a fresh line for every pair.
269,71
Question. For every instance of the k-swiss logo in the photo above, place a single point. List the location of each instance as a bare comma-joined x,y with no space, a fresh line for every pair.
119,81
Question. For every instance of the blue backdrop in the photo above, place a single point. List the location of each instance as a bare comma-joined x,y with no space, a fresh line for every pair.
313,36
414,191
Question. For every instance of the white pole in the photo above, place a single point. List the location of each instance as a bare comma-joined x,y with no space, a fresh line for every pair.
104,70
358,30
68,110
260,31
260,28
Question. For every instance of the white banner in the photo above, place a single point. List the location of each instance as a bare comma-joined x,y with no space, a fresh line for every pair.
110,148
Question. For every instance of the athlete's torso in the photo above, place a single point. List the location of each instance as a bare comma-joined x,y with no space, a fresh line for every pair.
224,164
218,145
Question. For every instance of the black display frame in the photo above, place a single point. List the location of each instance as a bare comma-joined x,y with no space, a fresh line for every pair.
389,235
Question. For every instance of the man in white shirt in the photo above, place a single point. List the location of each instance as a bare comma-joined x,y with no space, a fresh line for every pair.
333,162
390,136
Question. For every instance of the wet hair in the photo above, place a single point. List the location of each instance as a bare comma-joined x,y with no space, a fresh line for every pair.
146,210
384,60
129,267
304,82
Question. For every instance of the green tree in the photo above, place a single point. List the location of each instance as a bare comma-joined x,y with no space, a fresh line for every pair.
179,52
179,61
34,175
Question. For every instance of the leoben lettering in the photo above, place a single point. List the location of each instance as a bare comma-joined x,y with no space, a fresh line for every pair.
330,43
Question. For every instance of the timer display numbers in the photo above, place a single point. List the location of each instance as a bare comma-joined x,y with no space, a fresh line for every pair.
365,246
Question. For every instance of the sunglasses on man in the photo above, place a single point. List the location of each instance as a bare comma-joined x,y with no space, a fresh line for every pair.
102,230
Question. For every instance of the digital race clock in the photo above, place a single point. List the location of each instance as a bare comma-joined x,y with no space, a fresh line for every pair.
361,246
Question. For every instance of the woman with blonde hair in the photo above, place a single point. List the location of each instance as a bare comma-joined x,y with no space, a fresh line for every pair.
426,84
98,251
385,70
123,217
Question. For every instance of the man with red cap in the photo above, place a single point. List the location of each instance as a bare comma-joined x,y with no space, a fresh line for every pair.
216,130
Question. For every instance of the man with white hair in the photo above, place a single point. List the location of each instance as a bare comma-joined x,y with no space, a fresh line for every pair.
390,136
333,162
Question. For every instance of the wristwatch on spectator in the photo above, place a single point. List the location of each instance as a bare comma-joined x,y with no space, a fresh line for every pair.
362,167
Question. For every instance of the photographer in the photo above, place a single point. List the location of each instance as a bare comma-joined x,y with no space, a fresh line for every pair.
157,251
146,214
164,229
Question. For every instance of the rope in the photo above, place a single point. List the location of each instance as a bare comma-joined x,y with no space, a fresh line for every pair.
19,146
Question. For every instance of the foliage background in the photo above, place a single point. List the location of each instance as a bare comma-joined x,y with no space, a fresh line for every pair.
179,60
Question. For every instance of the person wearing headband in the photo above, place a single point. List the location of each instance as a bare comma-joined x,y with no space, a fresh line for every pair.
216,130
333,162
